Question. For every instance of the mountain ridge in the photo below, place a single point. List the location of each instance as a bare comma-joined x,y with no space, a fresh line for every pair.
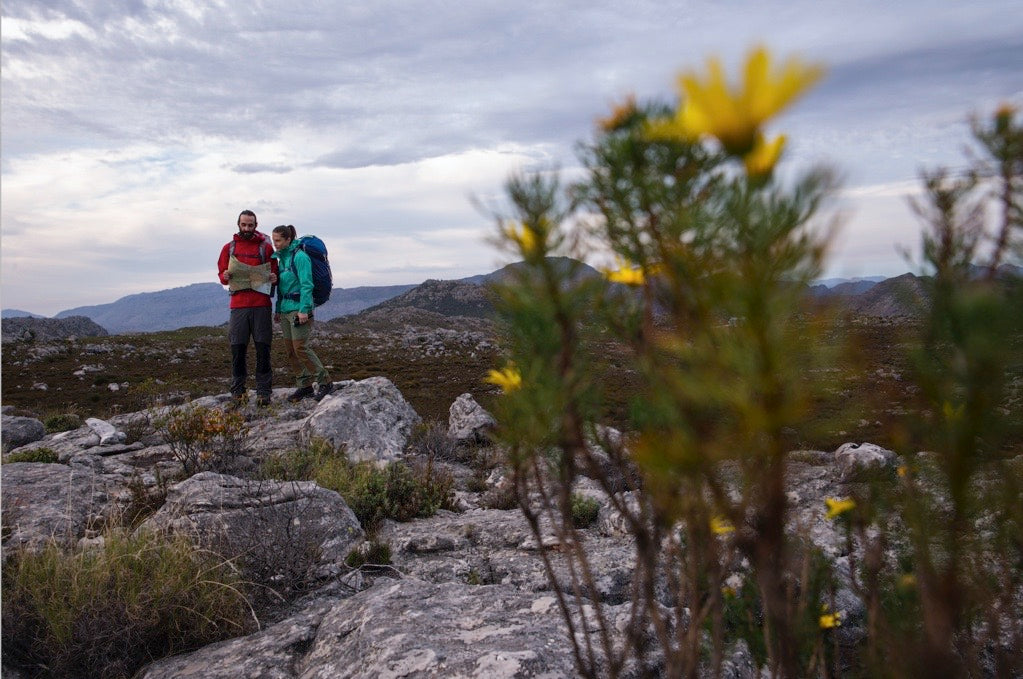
205,304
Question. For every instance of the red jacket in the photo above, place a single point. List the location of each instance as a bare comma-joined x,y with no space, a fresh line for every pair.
246,251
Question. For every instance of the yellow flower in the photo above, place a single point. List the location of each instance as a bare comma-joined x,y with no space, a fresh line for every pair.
719,525
625,274
902,470
524,237
764,156
508,378
838,506
735,115
830,620
907,581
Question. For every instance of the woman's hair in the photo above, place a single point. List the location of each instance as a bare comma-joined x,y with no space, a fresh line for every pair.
286,230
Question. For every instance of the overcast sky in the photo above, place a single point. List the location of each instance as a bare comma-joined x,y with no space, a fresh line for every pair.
134,131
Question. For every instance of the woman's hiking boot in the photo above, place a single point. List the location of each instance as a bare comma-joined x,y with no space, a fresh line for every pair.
324,389
300,393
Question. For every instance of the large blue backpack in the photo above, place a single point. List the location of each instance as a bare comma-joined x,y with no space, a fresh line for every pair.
323,282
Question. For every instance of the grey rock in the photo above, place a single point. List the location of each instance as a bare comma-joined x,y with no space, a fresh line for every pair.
108,434
405,628
468,421
215,508
369,419
860,460
17,431
60,502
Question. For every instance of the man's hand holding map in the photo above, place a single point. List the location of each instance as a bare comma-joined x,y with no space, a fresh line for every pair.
245,276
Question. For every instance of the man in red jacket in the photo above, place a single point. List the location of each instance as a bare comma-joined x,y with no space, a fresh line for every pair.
251,310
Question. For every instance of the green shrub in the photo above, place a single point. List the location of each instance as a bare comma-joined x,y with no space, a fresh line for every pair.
373,553
106,612
62,422
397,491
33,455
584,510
203,438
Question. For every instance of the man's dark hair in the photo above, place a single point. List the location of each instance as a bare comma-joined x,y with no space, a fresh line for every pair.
250,213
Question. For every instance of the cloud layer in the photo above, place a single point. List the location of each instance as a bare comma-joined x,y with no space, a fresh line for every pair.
134,132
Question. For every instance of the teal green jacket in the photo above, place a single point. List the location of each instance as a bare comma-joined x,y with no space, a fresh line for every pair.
294,280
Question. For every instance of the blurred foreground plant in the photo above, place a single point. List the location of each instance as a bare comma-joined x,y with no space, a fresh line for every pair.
714,254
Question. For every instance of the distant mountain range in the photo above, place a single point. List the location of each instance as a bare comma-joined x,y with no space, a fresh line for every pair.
206,304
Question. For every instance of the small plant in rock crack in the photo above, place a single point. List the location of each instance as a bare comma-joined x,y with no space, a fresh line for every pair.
203,438
431,440
145,500
585,510
33,455
372,553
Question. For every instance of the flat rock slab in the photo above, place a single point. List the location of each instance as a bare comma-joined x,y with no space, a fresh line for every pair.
404,628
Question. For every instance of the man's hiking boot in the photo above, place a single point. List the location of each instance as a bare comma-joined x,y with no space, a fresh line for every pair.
300,393
324,389
237,401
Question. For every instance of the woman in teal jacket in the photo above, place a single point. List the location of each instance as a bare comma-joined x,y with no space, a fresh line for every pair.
295,313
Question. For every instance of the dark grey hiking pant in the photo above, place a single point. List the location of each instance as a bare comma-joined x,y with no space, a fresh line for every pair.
257,323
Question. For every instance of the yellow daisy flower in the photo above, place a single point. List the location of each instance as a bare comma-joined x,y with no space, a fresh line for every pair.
625,274
508,378
735,115
830,620
719,525
529,239
838,506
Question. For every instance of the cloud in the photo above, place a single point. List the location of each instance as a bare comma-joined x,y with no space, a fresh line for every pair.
256,168
143,128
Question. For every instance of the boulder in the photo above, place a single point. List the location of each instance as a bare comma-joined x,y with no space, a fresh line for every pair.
17,431
108,434
468,421
859,460
404,628
44,502
226,511
369,420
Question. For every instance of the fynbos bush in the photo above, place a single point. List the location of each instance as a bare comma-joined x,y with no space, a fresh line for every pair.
397,491
707,304
203,438
105,612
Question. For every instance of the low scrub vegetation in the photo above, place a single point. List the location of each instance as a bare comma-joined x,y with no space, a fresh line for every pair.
106,611
396,491
203,438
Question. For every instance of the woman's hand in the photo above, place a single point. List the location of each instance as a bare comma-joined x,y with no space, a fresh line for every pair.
273,277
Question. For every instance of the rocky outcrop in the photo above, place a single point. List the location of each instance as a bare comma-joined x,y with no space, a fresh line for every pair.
299,515
30,329
468,421
17,431
369,420
466,594
404,628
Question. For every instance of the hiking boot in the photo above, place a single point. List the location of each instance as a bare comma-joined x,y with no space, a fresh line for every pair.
262,401
300,393
237,401
324,389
